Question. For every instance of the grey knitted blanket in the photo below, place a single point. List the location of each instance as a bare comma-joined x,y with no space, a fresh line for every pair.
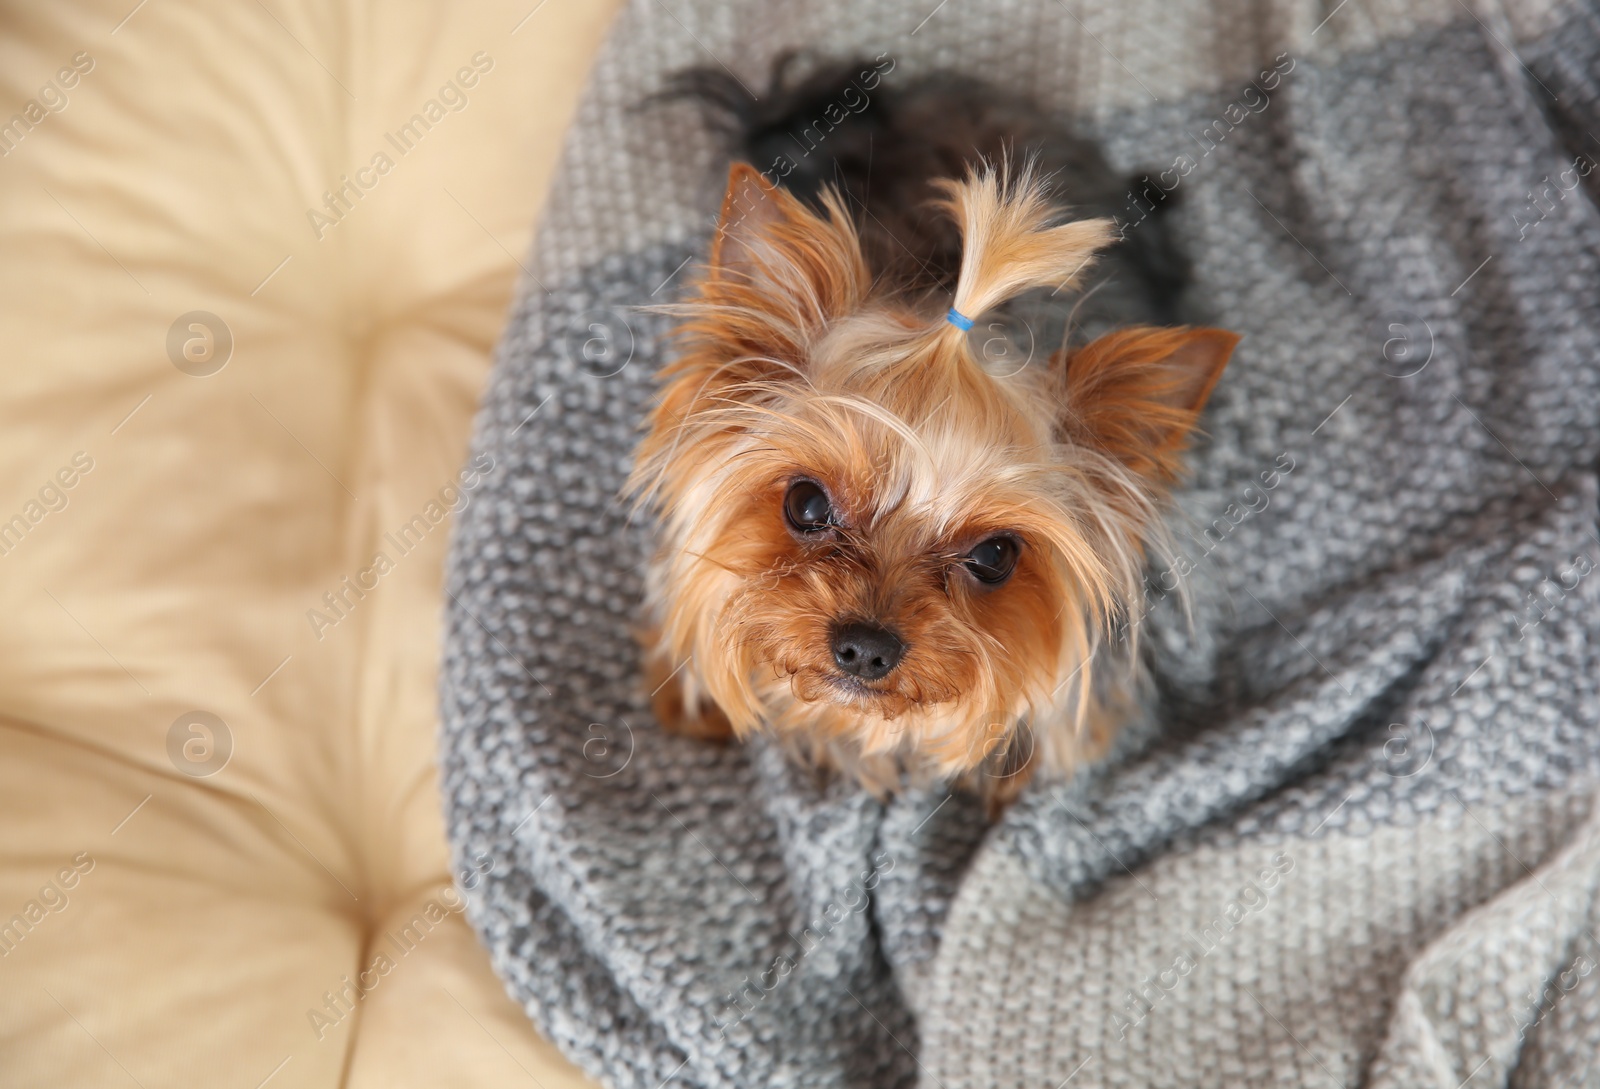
1358,847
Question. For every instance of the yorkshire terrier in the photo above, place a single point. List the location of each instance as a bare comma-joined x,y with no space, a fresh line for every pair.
900,560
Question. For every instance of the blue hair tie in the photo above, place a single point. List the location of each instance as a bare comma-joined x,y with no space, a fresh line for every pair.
958,319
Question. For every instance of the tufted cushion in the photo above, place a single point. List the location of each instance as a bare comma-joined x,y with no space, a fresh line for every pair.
218,783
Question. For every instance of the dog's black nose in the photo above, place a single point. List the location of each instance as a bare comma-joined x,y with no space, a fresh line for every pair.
866,650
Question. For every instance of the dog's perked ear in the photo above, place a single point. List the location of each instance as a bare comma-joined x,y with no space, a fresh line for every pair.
750,209
779,272
1136,394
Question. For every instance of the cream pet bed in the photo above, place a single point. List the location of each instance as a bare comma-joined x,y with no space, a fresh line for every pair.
184,924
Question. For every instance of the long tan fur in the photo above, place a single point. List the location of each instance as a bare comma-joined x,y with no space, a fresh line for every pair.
793,366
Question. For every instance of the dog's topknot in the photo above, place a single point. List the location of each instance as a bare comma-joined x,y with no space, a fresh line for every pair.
1010,240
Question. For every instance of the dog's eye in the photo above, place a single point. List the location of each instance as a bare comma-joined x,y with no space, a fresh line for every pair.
992,561
807,507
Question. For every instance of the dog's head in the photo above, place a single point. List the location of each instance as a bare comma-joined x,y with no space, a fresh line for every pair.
867,537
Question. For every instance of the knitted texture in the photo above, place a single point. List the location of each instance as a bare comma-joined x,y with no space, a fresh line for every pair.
1357,844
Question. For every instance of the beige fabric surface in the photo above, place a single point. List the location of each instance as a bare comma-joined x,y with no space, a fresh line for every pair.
167,160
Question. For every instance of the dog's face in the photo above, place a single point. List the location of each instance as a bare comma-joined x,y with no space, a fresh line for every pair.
869,540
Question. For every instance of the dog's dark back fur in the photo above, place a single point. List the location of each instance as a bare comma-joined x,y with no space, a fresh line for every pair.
893,142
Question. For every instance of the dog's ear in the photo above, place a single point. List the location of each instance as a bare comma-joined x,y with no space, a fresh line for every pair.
779,271
1137,393
751,207
778,275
